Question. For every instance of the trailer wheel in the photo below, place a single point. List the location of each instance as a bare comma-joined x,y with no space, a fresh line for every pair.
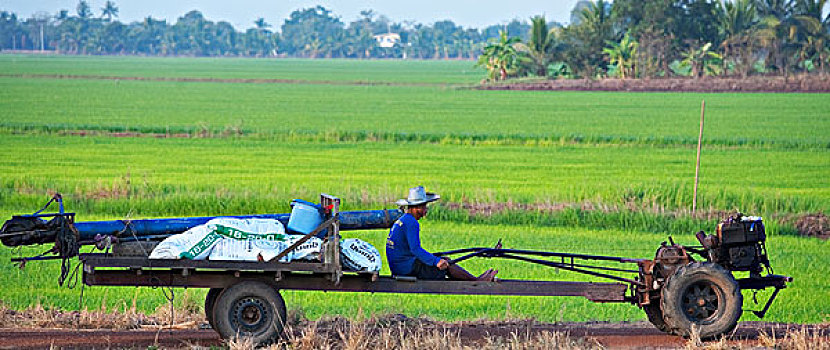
249,309
210,301
702,295
655,316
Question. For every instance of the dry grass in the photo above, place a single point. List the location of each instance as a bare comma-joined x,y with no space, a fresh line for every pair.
188,312
803,338
39,316
388,332
398,332
798,339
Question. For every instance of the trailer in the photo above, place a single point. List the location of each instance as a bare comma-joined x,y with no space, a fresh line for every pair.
681,288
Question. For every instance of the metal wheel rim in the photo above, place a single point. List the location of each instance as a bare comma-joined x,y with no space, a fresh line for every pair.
250,315
702,302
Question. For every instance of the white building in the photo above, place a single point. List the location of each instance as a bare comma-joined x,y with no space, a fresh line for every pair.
388,39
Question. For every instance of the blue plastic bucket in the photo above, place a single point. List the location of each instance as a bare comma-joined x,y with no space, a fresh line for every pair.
305,216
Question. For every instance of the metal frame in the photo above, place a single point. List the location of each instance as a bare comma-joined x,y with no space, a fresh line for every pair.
597,292
327,275
570,265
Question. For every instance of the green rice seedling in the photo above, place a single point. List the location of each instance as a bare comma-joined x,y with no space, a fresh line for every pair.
627,187
331,71
335,113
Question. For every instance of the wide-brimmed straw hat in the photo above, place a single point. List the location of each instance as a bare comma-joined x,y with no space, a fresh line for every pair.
418,195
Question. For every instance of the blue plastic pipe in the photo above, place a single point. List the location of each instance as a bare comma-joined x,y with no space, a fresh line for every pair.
349,220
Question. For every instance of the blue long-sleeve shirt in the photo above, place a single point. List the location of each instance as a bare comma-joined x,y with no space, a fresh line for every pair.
403,246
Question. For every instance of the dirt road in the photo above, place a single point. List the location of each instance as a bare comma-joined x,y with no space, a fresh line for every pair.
612,335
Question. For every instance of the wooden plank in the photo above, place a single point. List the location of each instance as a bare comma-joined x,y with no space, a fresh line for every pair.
333,249
305,238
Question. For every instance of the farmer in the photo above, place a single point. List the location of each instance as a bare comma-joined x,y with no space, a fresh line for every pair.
403,246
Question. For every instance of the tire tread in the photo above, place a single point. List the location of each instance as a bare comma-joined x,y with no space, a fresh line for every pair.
676,323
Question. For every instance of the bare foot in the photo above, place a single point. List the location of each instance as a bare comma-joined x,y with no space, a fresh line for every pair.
484,276
488,276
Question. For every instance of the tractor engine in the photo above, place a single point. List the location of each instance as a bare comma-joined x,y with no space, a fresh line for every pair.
738,244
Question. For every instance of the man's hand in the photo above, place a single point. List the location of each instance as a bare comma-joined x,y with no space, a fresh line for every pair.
442,264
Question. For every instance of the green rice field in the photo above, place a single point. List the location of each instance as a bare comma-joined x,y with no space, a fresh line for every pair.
597,172
413,112
358,71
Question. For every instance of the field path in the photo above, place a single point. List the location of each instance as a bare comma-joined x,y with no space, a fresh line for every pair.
614,335
71,338
800,83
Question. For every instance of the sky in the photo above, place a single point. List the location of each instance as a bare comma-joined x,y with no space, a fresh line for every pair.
242,13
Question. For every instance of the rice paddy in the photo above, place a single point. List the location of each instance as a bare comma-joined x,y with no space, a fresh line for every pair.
612,169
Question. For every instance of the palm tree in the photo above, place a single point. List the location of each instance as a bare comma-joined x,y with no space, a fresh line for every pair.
109,10
623,55
812,8
501,57
736,16
61,16
703,61
737,22
586,40
779,9
814,31
83,10
261,24
541,46
790,38
596,14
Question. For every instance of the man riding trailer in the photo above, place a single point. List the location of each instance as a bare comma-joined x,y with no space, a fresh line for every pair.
403,246
684,288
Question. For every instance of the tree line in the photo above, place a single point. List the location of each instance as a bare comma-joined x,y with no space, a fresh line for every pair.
659,38
311,32
623,38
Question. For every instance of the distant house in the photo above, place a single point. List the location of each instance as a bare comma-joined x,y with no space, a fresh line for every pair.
388,39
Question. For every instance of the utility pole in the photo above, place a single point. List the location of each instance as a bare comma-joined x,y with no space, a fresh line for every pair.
699,144
41,36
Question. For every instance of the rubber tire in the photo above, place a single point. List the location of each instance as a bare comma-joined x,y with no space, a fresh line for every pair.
713,276
210,301
655,316
265,297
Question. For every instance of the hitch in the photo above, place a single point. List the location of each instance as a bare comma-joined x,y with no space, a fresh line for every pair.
763,312
776,281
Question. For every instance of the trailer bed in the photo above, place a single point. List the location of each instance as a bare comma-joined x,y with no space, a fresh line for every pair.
105,270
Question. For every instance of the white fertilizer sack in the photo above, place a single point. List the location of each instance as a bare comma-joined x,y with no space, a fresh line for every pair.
197,243
357,255
309,250
229,249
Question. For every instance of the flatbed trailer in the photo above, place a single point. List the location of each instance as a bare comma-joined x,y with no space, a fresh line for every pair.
103,270
676,291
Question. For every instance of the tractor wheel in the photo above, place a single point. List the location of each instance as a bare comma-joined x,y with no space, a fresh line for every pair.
702,295
210,301
250,309
655,316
